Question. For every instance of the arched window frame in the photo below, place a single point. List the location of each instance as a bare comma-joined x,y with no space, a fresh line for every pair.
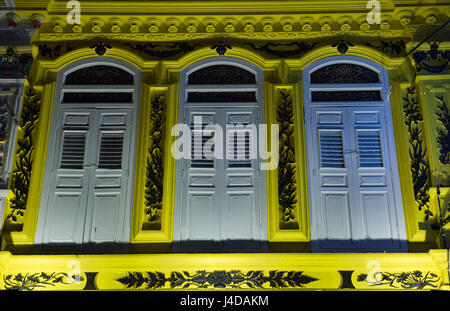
60,88
185,88
385,92
382,86
258,87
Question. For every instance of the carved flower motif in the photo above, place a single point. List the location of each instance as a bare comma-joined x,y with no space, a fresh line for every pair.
57,28
405,21
229,28
268,28
191,28
417,274
346,27
210,28
96,28
287,27
77,28
306,27
430,19
325,27
173,28
219,279
385,26
403,276
249,28
115,28
364,26
153,28
134,28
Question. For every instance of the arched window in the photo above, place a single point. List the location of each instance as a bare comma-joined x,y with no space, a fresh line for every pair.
220,190
354,194
87,191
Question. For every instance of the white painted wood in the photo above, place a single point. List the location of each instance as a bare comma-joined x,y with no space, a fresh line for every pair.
355,206
90,204
220,203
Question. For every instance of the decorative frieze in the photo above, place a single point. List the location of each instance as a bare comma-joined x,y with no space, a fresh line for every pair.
40,280
234,279
21,176
155,159
443,139
287,180
417,152
406,280
433,60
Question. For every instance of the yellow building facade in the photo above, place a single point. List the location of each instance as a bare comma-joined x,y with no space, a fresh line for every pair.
159,44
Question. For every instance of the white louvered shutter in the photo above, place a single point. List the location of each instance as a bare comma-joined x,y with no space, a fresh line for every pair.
331,149
73,150
369,148
111,151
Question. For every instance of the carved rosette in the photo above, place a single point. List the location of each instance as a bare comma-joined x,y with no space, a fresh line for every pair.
20,177
155,159
287,182
417,152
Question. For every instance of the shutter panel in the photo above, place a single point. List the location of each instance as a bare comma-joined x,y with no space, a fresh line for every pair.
111,150
73,150
238,148
331,149
369,149
206,160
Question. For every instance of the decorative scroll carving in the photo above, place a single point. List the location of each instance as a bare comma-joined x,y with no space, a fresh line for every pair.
29,282
217,279
221,47
100,74
221,74
301,47
419,164
406,280
344,73
443,139
56,51
101,48
389,47
287,183
155,159
433,61
342,46
24,158
165,51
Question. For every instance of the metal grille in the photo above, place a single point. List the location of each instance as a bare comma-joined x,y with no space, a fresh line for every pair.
100,74
344,73
221,74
